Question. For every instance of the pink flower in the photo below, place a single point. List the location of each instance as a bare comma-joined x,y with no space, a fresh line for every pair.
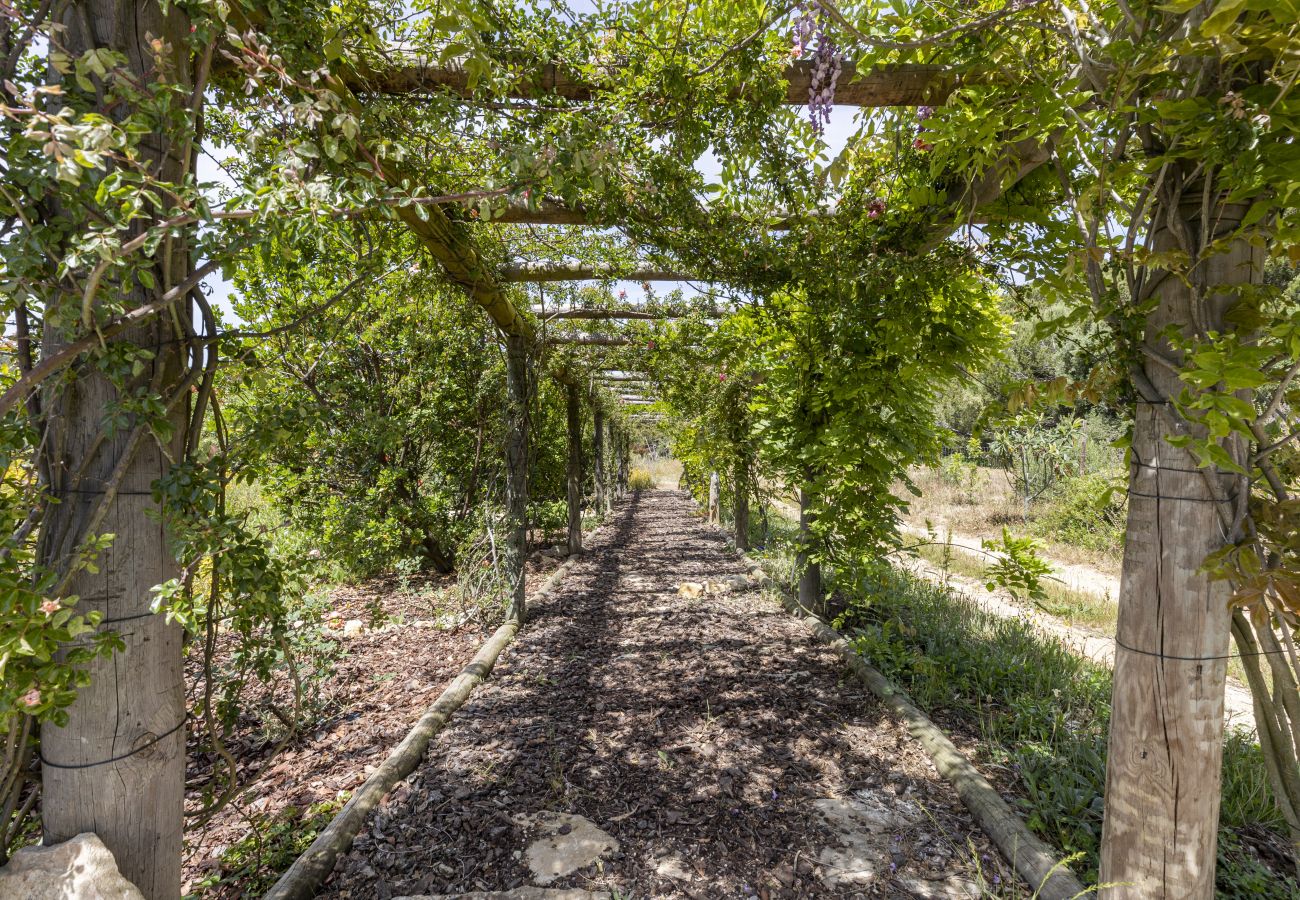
875,208
50,607
722,376
622,295
32,698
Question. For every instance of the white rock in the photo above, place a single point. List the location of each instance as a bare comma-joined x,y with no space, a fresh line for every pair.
674,867
353,627
865,828
78,869
566,843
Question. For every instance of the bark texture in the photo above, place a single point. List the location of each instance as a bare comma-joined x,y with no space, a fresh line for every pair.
810,571
574,416
714,490
599,469
516,544
1166,731
117,768
740,502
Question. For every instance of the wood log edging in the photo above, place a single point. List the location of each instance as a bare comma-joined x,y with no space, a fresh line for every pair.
311,869
1036,862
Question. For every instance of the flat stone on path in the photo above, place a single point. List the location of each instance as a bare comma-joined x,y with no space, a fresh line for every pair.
696,733
566,843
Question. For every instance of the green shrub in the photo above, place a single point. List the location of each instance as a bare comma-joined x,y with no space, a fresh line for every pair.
1086,511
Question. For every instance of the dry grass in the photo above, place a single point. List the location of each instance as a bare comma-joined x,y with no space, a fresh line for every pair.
665,470
982,508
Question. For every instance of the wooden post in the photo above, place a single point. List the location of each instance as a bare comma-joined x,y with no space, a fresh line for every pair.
810,571
714,490
740,501
117,767
575,469
598,460
611,492
1166,729
624,462
516,545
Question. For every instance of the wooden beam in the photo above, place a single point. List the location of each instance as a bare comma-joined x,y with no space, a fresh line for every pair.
543,272
589,340
907,84
598,315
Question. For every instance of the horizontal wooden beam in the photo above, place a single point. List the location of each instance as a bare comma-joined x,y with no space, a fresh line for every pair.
589,340
907,84
550,212
544,272
595,314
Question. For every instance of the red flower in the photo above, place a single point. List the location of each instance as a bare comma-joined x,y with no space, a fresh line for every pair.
921,145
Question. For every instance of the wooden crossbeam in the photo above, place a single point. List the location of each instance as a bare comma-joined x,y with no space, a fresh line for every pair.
605,314
907,84
544,272
589,340
622,378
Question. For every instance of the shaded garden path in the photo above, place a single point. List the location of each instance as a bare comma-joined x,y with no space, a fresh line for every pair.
698,732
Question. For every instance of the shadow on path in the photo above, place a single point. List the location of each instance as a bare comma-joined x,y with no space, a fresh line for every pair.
697,731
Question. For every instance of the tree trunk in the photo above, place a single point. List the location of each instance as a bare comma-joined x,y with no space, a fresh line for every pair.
624,462
810,571
740,502
516,544
1166,730
117,767
714,490
575,469
598,461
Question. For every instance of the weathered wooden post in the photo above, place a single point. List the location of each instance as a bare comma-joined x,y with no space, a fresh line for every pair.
598,467
516,544
1166,728
117,767
575,468
740,501
625,464
714,490
611,492
809,569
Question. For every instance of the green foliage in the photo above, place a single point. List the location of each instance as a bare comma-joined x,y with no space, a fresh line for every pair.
1084,511
1042,713
1016,567
255,862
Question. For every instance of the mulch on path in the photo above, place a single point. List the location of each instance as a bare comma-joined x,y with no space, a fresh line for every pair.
696,732
381,682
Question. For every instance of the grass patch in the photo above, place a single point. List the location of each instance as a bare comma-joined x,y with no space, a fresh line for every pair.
253,865
1071,606
1042,714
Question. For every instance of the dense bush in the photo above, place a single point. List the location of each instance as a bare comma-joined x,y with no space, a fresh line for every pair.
1085,511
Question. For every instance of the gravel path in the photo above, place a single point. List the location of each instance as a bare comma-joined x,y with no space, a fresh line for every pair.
699,733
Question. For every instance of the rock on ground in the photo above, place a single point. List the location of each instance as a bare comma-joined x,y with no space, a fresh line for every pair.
565,844
78,869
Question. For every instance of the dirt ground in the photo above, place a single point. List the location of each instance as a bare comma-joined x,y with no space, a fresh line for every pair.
382,681
697,732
